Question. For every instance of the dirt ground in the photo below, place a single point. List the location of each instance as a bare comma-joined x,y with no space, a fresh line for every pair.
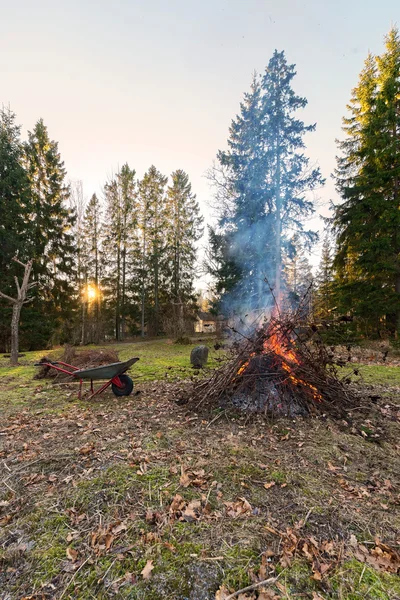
141,498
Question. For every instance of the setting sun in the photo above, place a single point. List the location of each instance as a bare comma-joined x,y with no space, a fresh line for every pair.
91,292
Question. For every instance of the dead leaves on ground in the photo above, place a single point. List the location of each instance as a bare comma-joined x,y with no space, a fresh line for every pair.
182,510
239,508
194,478
103,538
381,556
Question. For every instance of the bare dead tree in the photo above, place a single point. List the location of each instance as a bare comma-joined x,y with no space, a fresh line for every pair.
18,302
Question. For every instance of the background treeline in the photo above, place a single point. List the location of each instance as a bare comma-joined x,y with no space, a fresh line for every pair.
125,265
111,268
264,189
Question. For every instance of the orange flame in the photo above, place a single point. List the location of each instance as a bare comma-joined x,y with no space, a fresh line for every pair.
288,356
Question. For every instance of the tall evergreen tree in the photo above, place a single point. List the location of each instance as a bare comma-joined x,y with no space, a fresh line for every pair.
184,229
245,226
269,178
298,277
120,194
52,240
367,177
153,226
324,280
14,211
289,178
77,203
91,252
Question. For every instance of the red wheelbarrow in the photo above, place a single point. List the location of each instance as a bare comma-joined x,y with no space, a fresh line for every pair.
115,373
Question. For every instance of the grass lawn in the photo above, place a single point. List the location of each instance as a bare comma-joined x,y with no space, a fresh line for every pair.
140,498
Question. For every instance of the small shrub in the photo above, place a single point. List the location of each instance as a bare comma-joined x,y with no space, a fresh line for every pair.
183,340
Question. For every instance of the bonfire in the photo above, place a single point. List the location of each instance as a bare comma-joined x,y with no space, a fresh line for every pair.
281,368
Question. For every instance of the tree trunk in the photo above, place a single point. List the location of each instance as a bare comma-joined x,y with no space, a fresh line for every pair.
17,303
16,311
397,287
143,282
118,299
156,303
123,294
278,242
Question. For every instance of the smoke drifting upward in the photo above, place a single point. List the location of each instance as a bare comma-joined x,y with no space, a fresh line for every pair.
253,255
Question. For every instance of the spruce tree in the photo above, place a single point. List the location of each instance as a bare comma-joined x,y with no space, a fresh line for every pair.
245,228
53,248
268,179
289,178
367,177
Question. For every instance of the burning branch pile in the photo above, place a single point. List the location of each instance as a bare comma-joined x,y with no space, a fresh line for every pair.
279,370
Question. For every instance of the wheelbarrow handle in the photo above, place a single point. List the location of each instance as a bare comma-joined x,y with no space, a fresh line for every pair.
48,362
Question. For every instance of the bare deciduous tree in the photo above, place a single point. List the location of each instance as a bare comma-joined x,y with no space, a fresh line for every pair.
18,302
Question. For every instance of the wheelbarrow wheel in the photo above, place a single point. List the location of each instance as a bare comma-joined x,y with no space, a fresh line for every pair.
127,386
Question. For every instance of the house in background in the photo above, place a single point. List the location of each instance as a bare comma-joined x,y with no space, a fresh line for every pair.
207,323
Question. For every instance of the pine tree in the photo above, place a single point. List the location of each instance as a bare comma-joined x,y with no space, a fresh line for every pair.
153,225
93,268
14,211
184,229
269,179
298,277
120,194
324,280
77,203
52,239
368,174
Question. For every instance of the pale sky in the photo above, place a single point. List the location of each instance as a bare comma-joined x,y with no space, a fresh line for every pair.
158,82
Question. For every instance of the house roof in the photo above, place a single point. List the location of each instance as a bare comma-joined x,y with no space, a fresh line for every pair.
204,316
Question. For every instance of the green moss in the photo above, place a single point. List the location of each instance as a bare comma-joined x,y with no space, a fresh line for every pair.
49,534
246,470
238,561
354,580
278,476
115,483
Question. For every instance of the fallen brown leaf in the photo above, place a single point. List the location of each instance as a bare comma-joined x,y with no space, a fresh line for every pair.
269,485
71,554
146,571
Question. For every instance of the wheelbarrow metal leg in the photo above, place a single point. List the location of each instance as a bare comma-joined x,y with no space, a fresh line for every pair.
101,389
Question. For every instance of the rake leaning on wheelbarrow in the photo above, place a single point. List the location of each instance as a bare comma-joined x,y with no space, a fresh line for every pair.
114,373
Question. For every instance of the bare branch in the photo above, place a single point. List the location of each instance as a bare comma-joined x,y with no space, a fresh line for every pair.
15,259
18,288
13,300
